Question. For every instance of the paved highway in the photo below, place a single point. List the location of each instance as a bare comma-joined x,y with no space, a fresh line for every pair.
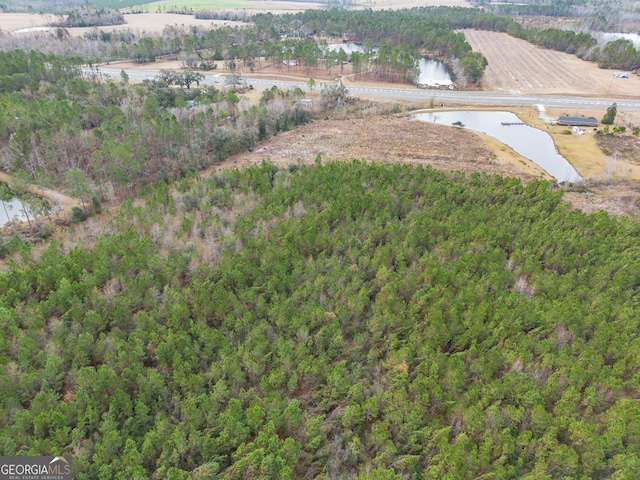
412,93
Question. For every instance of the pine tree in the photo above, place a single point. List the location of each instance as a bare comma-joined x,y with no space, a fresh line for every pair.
610,116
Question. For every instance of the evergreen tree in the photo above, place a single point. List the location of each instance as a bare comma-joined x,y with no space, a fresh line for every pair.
610,116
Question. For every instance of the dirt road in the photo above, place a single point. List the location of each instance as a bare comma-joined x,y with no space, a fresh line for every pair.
55,197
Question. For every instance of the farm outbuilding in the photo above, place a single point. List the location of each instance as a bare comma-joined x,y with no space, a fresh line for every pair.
577,122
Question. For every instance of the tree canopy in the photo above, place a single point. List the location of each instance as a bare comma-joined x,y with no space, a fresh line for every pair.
342,320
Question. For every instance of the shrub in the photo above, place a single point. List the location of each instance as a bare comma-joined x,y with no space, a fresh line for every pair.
79,215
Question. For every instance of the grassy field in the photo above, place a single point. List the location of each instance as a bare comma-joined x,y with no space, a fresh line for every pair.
289,6
59,6
198,5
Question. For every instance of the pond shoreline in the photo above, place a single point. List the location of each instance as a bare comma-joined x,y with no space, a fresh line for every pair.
511,130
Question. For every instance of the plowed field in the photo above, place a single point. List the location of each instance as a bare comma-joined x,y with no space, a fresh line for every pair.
520,67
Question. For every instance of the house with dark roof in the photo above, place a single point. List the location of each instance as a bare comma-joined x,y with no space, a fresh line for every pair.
577,122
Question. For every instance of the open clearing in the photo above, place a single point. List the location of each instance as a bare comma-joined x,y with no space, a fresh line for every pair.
388,139
154,22
151,23
395,139
288,7
520,67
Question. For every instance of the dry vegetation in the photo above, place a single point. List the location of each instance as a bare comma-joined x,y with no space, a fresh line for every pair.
609,186
514,65
138,23
155,22
520,67
624,148
388,139
618,197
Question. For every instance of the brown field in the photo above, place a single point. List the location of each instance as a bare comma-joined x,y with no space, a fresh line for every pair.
155,22
389,139
520,67
138,23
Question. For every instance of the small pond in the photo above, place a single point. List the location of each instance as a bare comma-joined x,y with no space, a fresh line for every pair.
529,142
606,37
348,48
433,73
10,209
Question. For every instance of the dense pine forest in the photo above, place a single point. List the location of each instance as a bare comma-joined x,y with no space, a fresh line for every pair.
345,320
342,320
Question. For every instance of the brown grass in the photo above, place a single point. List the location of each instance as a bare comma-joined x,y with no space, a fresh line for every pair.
155,22
397,139
625,147
389,139
139,23
583,151
520,67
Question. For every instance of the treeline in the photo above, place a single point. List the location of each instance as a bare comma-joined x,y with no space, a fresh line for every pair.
89,17
619,54
233,15
415,30
338,321
580,44
401,35
424,30
536,10
400,26
401,31
20,70
56,6
615,12
432,29
123,137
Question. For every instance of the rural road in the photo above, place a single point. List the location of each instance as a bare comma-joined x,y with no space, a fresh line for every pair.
412,93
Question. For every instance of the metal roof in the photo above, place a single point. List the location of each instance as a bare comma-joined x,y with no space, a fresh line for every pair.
578,121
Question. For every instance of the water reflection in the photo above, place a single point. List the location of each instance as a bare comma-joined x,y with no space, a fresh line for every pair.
348,48
10,209
605,37
433,74
529,142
